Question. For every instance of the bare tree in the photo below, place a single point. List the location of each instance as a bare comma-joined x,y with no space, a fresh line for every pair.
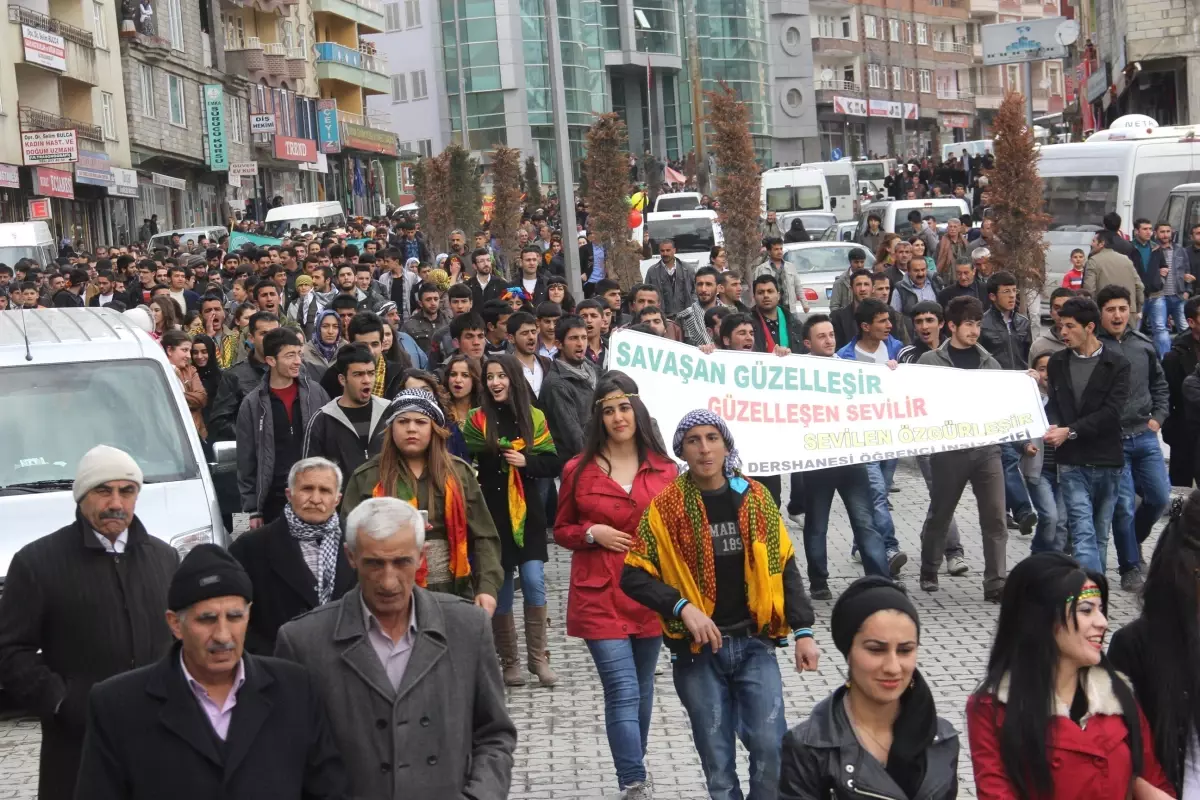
607,172
432,188
738,180
506,204
466,191
533,184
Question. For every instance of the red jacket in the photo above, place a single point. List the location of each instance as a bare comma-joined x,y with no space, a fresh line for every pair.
596,606
1087,763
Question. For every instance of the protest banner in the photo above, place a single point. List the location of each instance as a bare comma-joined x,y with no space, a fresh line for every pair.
801,413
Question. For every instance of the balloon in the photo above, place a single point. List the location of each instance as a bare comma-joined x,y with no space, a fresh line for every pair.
635,218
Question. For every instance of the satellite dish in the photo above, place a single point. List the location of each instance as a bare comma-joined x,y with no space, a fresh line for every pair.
827,74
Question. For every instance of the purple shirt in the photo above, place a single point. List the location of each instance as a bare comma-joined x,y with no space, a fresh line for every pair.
392,655
218,716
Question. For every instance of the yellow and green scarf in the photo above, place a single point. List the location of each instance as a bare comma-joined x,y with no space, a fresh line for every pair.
454,518
474,430
380,376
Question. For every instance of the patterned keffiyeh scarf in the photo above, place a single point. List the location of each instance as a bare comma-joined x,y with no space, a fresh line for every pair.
454,517
474,430
329,536
231,345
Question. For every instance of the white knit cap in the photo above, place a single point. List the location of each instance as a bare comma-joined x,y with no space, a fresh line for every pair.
102,464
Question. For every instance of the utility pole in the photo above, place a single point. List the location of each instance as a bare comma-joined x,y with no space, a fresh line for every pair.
1027,88
462,84
693,53
562,146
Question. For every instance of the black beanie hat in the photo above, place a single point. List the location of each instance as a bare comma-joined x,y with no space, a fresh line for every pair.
208,571
863,598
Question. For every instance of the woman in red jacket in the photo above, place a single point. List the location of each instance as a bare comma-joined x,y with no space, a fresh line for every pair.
1053,719
605,491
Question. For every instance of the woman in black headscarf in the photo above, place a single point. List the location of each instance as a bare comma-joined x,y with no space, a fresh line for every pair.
879,734
204,359
797,233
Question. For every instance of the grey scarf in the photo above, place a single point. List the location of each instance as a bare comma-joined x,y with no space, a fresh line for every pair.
329,536
583,371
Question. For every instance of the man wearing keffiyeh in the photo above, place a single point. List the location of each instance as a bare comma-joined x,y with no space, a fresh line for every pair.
297,562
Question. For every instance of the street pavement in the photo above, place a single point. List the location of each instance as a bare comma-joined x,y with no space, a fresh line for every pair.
562,752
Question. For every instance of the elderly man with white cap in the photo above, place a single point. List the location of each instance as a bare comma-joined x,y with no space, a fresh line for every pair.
80,605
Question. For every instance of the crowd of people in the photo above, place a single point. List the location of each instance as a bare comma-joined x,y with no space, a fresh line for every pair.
413,430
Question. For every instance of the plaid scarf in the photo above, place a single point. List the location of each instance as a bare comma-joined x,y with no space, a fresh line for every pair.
329,536
380,376
454,518
474,430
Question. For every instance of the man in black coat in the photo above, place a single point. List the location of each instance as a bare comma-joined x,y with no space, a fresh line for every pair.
1179,429
208,720
80,605
297,562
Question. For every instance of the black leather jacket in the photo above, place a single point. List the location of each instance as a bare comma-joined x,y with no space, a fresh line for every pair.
823,759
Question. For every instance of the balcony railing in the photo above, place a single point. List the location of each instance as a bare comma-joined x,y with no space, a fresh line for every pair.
275,49
296,54
374,6
945,46
954,94
340,54
24,16
378,122
838,86
34,119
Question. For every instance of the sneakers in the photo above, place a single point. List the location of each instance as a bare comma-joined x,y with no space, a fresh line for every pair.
821,592
1027,522
1132,581
929,583
893,489
856,556
896,561
797,518
1010,522
638,791
957,565
993,595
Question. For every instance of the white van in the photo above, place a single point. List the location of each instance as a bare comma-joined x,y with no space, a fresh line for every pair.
871,173
1083,181
325,215
794,189
695,233
893,214
75,378
842,180
31,240
677,201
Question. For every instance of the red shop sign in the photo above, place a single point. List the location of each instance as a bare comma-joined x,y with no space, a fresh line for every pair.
289,148
55,183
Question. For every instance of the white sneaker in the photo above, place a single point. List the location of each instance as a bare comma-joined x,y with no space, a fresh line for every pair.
638,791
856,557
797,518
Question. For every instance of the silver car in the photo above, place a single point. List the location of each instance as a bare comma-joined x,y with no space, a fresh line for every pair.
842,232
818,265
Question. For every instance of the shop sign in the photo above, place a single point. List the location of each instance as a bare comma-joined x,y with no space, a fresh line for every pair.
1097,83
125,182
956,121
262,123
371,140
39,208
243,169
320,165
214,115
328,132
1027,40
852,106
289,148
44,48
92,169
10,177
53,183
891,109
50,147
158,179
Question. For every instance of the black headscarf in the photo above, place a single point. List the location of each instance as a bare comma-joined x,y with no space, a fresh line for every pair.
210,373
797,233
916,725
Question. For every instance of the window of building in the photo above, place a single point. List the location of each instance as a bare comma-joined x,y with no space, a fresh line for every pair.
420,90
875,76
412,13
108,119
894,30
425,148
908,33
869,29
910,80
238,121
926,78
1013,74
847,27
99,32
1054,79
826,26
175,90
897,79
147,86
848,74
175,14
391,16
400,88
922,33
235,32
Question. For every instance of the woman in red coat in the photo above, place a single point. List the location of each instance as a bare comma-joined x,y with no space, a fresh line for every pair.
605,491
1053,720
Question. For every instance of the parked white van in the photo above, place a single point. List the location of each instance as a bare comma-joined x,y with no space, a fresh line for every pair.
327,214
871,172
794,189
75,378
694,233
842,179
31,240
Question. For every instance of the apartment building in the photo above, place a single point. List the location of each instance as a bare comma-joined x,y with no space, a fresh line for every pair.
414,107
63,73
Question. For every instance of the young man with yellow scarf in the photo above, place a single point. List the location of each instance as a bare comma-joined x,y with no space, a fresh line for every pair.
713,559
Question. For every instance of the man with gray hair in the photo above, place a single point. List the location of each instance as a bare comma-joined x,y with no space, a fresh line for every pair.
80,605
297,562
412,683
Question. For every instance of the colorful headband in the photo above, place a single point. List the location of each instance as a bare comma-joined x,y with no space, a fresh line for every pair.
1092,593
621,396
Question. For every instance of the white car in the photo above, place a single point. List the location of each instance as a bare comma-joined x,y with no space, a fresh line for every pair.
842,232
818,265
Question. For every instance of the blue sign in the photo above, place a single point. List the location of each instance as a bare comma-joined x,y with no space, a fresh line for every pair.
329,135
836,155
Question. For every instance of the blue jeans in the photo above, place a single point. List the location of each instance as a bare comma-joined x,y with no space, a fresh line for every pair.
1043,491
881,474
1145,474
854,487
533,587
1090,495
736,691
1016,496
626,668
1157,309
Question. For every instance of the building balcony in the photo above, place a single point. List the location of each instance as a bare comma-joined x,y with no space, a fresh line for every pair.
989,97
977,51
275,54
836,47
946,46
336,62
296,60
367,13
985,8
34,119
78,50
827,90
245,56
379,122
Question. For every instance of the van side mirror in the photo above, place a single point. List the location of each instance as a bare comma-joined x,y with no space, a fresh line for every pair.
224,457
848,236
833,202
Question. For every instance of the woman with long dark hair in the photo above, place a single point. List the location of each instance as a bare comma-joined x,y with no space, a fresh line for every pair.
414,378
883,721
1160,650
1053,719
605,491
558,292
512,447
204,358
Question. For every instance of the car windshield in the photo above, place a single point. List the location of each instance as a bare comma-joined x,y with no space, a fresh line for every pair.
11,255
1078,202
869,172
54,413
280,227
677,204
942,214
691,235
823,259
814,223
